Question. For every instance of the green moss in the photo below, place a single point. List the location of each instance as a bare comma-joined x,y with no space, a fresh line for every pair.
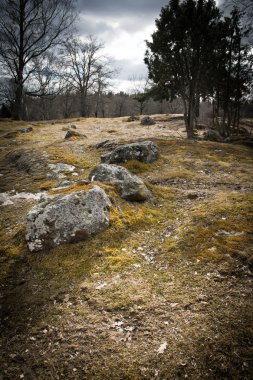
62,154
135,166
218,228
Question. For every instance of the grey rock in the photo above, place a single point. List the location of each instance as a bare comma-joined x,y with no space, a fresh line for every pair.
145,151
67,219
212,135
25,130
147,120
133,118
29,161
131,187
105,144
72,126
71,134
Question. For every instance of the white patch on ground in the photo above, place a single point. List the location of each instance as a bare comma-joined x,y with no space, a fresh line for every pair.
9,198
101,285
162,348
228,233
60,167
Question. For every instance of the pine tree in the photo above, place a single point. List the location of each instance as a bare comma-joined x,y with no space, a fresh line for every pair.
181,55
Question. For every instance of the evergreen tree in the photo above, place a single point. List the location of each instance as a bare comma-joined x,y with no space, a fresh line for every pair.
233,73
181,55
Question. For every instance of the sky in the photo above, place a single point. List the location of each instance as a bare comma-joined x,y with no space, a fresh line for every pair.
123,26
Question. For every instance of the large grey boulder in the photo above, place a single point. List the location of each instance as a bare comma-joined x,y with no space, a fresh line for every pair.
147,120
145,151
29,161
131,187
212,135
69,218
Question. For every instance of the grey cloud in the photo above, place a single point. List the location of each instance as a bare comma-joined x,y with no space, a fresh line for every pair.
113,7
129,68
89,27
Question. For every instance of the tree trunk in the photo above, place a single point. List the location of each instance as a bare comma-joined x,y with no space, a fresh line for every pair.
83,105
18,104
190,119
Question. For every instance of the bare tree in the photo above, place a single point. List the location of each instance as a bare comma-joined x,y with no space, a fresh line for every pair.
68,100
29,28
88,70
105,72
7,92
245,7
47,77
140,87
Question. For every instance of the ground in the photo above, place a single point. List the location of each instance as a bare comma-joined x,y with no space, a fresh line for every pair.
164,293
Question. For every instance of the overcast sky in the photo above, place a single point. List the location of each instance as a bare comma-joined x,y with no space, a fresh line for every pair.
123,26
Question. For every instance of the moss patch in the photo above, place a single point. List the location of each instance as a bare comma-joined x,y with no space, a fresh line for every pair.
173,270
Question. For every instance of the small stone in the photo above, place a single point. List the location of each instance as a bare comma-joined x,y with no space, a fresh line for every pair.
147,120
25,130
162,348
70,134
131,187
192,196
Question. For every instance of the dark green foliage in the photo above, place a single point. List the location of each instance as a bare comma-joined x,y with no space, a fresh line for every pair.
195,54
233,74
180,54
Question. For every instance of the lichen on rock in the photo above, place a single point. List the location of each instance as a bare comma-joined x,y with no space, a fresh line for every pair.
70,218
131,187
145,151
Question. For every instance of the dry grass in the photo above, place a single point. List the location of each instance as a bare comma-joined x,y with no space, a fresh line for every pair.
174,270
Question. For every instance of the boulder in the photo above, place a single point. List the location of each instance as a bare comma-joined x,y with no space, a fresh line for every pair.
147,120
71,134
25,130
212,135
66,219
133,118
29,161
131,187
145,151
105,144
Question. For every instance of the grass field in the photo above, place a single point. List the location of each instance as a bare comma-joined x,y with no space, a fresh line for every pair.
164,293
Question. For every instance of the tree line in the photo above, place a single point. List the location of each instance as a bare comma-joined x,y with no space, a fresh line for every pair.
195,55
41,55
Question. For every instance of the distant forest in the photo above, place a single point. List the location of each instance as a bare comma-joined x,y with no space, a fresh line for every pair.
199,61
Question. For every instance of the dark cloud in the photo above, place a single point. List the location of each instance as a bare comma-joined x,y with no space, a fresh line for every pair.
123,26
121,8
87,27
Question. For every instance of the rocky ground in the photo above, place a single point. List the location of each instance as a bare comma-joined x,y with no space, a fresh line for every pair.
164,293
